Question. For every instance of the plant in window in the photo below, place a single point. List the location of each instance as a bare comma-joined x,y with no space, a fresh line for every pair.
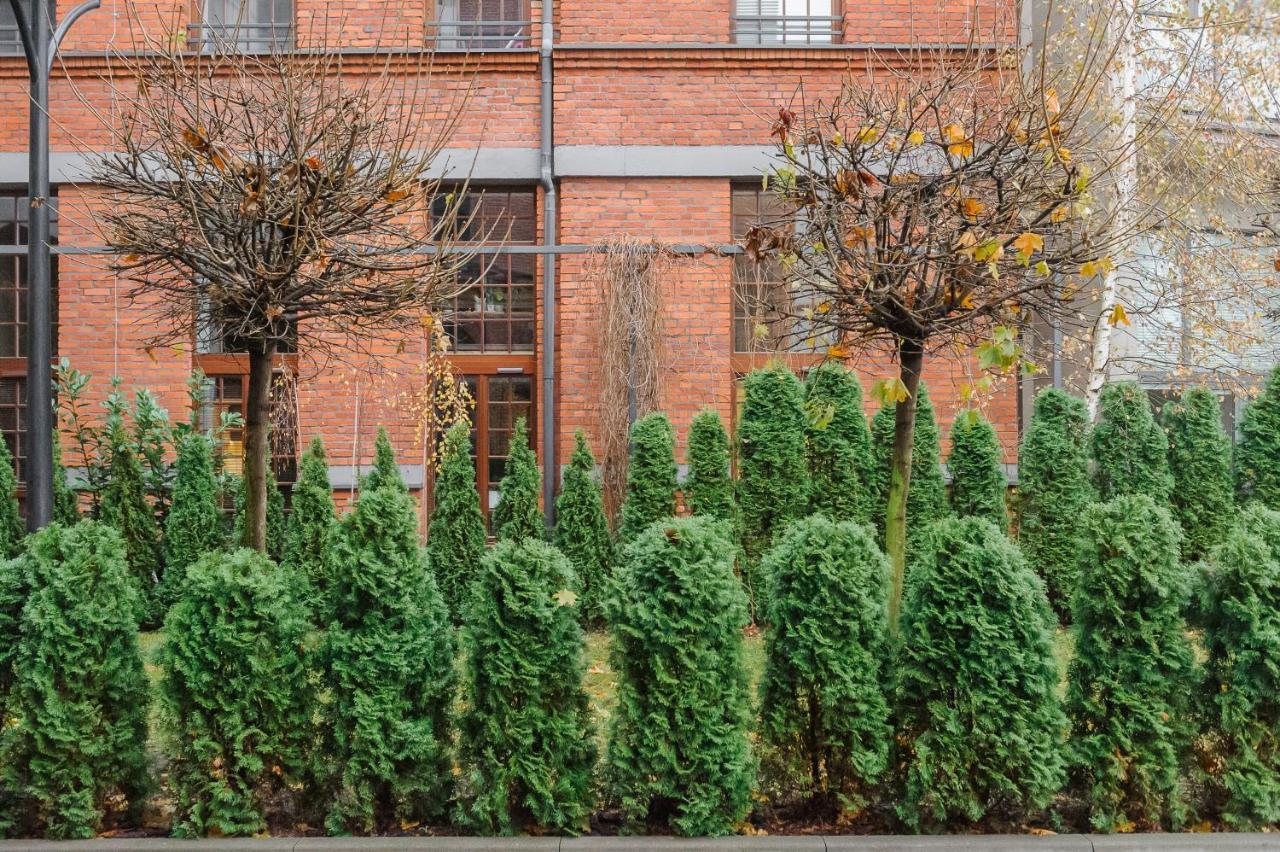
517,515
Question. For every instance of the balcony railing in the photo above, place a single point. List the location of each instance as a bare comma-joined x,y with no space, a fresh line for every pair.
480,35
241,37
787,29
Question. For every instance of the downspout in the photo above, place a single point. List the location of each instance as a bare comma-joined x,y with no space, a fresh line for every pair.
550,469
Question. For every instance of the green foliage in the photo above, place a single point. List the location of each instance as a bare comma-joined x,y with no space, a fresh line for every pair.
1133,669
79,697
388,667
679,734
517,515
235,698
526,737
1200,461
1129,449
277,529
385,471
651,476
66,503
837,443
124,507
927,493
582,532
1258,456
193,527
1054,489
14,588
310,530
823,708
773,484
978,712
708,489
978,483
1241,620
456,537
12,528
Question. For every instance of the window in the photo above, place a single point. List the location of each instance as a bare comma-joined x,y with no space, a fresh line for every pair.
226,394
496,315
499,400
10,39
252,26
13,421
778,22
213,339
482,25
14,231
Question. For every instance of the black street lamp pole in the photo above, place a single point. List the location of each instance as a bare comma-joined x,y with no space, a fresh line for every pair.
41,45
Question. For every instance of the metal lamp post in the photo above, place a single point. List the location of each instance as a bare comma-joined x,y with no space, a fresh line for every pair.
40,42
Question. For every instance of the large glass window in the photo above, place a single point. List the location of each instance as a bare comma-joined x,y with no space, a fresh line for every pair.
14,232
779,22
499,401
482,25
253,26
225,393
13,421
10,40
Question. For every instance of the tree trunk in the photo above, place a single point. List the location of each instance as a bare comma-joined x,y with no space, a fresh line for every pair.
910,360
257,446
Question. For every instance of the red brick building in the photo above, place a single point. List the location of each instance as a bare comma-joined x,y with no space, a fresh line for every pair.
648,120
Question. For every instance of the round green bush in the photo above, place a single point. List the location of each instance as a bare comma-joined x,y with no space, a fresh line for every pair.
193,526
1202,499
678,738
1129,450
927,492
527,746
1133,671
456,537
837,444
980,724
708,489
517,515
1054,490
582,531
76,740
1258,456
824,713
236,701
651,476
978,483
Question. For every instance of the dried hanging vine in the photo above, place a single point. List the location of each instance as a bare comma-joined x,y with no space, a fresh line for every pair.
630,273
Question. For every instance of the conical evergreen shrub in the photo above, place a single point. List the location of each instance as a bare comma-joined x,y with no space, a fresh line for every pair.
76,741
1128,448
66,503
388,667
651,476
708,489
1133,670
1054,490
678,738
12,528
124,507
236,698
517,515
1258,456
14,588
386,470
978,482
927,492
824,712
837,444
773,482
526,737
1240,614
456,537
582,531
277,529
193,526
1202,499
979,719
309,532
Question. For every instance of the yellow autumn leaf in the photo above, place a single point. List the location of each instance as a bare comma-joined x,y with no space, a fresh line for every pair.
1064,154
823,308
1118,315
837,351
1089,268
1015,130
952,133
971,207
915,137
837,139
1028,243
1051,105
1059,214
867,135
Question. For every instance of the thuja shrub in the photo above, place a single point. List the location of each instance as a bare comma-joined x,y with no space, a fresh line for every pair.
1258,456
14,588
277,530
978,483
124,507
385,471
517,515
651,476
1128,448
773,483
582,532
678,740
236,698
708,489
527,745
824,713
837,444
1240,616
1053,491
979,720
1202,499
387,660
75,742
66,503
1133,671
456,536
927,491
193,526
309,532
12,528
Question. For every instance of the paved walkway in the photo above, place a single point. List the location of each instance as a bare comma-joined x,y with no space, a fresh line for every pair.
952,843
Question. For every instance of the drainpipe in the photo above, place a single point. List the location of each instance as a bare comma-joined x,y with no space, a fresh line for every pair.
551,470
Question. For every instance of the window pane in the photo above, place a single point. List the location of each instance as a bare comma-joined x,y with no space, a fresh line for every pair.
482,24
13,421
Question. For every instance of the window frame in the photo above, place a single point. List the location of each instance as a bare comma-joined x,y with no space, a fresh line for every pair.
785,29
513,32
231,38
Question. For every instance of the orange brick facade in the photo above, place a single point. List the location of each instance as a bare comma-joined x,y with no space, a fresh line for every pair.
658,77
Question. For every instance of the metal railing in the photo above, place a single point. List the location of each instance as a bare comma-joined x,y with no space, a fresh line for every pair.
787,29
480,35
240,37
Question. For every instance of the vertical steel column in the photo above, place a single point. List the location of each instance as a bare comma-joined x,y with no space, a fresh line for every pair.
546,142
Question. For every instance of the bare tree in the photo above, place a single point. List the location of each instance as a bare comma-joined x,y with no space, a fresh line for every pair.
279,197
938,200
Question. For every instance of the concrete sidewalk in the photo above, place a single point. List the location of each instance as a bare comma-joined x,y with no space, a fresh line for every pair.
949,843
